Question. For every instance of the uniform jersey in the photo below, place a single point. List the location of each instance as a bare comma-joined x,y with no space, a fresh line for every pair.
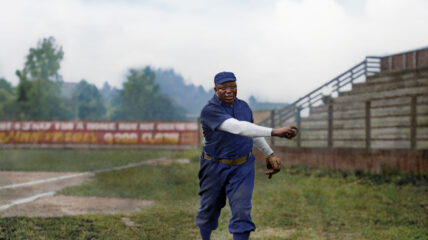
220,144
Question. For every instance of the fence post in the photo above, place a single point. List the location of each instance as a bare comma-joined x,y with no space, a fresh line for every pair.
330,123
413,123
299,125
272,125
368,125
415,59
389,63
366,67
200,134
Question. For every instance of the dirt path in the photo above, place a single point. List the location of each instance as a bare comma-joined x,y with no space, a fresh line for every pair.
55,206
33,193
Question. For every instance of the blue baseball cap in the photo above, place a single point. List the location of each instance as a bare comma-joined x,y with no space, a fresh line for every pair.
222,77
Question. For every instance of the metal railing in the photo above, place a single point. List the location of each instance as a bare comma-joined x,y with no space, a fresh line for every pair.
370,66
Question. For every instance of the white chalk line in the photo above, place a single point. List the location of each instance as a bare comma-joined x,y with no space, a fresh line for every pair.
41,195
26,200
26,184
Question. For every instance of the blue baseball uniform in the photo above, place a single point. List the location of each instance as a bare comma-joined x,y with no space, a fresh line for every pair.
218,180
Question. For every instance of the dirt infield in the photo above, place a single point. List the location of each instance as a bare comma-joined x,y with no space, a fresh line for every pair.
33,193
55,206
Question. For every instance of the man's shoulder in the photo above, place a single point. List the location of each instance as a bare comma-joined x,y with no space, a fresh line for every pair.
242,103
211,105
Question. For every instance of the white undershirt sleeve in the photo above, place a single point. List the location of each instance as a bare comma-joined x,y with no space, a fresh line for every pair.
261,144
244,128
247,129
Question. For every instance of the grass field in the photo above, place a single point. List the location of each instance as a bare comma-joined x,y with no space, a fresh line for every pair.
295,204
72,160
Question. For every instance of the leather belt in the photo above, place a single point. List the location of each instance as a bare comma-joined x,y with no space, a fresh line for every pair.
234,161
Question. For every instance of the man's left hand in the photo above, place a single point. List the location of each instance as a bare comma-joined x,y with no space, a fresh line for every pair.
273,164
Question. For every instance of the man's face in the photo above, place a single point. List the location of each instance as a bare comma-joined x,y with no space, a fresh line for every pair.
226,92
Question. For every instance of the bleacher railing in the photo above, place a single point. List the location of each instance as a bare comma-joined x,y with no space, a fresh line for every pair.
370,66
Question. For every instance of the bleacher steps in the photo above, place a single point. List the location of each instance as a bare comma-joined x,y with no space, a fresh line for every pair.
391,85
404,75
382,94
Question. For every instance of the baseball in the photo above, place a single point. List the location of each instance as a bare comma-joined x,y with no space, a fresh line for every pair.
294,132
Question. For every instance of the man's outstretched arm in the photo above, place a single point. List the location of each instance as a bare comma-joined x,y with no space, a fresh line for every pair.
258,133
247,129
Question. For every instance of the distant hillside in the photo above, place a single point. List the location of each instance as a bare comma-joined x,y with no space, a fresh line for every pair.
262,106
192,98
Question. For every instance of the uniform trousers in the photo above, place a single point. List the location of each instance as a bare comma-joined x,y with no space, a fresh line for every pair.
218,181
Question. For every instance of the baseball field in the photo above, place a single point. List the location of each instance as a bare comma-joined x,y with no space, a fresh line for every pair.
152,194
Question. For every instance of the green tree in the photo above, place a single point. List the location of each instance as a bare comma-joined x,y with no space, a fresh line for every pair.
6,86
140,99
39,84
89,101
6,99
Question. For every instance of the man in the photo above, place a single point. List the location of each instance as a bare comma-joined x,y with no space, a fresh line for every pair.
227,164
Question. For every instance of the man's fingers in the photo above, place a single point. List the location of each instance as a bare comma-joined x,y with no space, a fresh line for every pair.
269,173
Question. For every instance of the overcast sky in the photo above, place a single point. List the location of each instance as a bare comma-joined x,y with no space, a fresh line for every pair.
278,49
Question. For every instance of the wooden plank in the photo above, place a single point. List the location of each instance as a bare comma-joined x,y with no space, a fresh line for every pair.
317,116
390,133
348,114
314,143
359,134
390,85
390,122
349,144
421,109
368,124
382,94
314,124
422,99
382,78
422,144
422,133
299,126
330,126
422,120
391,102
390,144
350,123
313,134
390,111
272,125
285,142
348,106
413,123
391,77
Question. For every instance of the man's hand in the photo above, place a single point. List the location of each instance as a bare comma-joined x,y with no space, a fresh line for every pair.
273,164
285,132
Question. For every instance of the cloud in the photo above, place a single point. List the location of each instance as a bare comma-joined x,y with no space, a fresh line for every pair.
279,49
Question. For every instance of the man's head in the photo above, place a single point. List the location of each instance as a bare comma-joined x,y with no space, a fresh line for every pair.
225,87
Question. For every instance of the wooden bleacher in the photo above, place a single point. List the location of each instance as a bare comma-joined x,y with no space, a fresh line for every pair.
388,110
